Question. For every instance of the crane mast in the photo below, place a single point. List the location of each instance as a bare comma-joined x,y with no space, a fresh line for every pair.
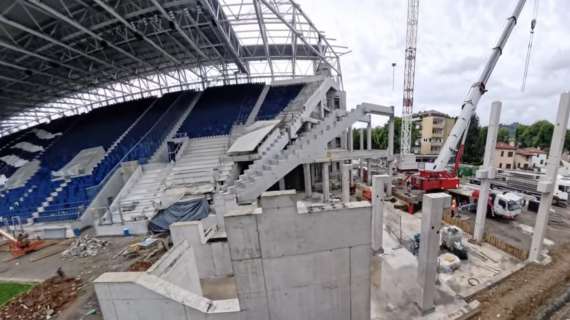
475,93
409,75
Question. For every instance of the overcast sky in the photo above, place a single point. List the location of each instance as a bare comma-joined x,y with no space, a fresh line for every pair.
455,39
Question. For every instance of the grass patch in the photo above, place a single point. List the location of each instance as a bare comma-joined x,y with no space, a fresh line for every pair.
8,290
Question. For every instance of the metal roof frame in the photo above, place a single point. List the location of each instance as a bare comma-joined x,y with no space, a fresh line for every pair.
65,57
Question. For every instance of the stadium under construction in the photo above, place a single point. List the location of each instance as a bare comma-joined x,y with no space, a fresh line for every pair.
197,159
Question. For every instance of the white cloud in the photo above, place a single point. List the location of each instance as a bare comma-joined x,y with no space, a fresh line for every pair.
455,40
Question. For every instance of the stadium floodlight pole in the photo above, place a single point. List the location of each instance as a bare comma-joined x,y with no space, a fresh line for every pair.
477,90
263,32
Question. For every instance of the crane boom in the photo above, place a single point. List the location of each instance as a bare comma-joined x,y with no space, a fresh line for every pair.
409,76
475,93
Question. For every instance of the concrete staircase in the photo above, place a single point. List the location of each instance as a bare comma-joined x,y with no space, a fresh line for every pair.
199,159
141,194
309,146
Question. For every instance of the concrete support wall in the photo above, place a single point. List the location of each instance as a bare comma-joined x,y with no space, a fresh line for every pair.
487,171
178,266
547,183
287,266
432,212
212,258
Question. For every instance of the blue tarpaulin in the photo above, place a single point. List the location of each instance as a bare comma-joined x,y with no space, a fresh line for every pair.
191,210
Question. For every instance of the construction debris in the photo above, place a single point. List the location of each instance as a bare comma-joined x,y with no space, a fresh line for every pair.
85,246
44,301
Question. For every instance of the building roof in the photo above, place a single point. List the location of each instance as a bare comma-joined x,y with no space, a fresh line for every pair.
64,57
431,113
530,151
504,146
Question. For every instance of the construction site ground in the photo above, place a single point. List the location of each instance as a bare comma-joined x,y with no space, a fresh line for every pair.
531,291
44,264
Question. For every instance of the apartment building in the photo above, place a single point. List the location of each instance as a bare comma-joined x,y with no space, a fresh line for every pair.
435,127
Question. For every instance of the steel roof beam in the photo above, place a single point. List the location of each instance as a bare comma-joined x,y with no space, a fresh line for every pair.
300,34
261,24
217,15
117,16
38,56
21,27
38,4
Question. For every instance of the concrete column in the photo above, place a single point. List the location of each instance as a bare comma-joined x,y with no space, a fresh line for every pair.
308,183
547,183
487,171
390,155
326,182
369,172
222,204
369,133
391,139
345,173
343,140
282,184
361,139
350,139
432,212
378,184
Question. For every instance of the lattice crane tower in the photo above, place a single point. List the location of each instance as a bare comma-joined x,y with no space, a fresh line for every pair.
409,75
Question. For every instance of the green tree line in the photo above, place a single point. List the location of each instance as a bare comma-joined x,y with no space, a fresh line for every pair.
536,135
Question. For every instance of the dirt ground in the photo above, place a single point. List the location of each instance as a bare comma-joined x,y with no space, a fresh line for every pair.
526,292
28,268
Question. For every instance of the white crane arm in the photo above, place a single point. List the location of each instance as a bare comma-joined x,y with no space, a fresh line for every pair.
477,90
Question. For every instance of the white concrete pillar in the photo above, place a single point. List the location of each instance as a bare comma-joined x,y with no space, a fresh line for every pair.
361,139
547,183
326,182
282,184
344,140
391,139
222,204
432,213
378,185
369,172
487,171
350,139
345,177
369,133
391,163
308,182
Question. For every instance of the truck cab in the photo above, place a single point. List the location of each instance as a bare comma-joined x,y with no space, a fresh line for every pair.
505,204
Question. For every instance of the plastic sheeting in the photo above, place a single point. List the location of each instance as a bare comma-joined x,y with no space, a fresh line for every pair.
191,210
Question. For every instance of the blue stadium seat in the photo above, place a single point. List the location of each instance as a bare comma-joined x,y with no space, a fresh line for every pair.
219,108
276,100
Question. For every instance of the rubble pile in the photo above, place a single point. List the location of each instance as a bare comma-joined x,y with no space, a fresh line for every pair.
44,301
85,246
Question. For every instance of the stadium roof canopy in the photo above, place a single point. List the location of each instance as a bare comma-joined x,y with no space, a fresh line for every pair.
63,57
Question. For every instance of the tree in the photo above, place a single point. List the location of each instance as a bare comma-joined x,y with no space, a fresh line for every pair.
537,135
503,135
475,142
